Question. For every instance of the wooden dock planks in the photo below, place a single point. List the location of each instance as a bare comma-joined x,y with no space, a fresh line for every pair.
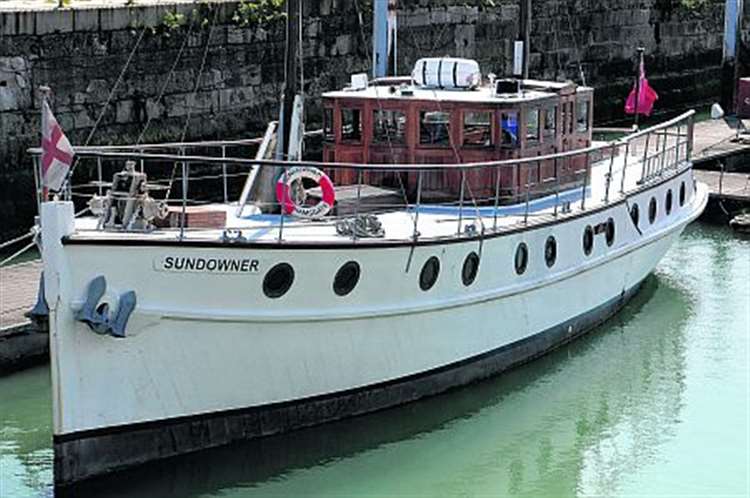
729,186
18,290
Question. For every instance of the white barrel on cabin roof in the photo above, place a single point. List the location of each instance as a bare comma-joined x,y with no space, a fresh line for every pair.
447,72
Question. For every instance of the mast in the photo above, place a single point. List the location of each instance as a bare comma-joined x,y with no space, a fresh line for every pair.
383,37
525,34
291,75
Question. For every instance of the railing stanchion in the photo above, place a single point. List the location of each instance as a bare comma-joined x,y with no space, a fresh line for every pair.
415,235
586,171
224,172
609,174
461,201
183,216
38,187
677,146
282,202
526,211
99,174
663,153
356,205
624,167
497,197
645,158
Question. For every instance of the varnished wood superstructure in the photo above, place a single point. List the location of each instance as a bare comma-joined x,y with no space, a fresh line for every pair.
394,122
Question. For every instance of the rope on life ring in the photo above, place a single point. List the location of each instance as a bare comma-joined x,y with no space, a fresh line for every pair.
292,203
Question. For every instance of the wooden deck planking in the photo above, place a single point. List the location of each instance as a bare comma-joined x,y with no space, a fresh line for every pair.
18,290
717,138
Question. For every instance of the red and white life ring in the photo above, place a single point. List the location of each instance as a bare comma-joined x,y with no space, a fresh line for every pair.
294,203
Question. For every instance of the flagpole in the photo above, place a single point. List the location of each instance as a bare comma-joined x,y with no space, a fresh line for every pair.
44,93
640,51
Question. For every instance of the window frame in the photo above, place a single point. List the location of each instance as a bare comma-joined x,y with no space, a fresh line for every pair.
432,145
490,128
402,141
515,144
344,138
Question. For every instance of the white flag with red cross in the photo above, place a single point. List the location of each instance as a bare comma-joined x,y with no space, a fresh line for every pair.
57,153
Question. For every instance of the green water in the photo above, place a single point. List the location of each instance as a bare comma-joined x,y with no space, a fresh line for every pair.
654,403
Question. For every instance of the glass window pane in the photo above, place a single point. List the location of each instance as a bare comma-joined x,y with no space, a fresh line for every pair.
550,121
351,125
478,128
583,116
389,127
509,127
532,125
434,128
328,134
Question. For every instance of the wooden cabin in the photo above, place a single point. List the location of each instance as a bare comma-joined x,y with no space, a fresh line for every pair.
393,121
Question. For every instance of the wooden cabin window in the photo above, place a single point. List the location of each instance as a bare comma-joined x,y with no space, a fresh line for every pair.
582,116
532,125
351,125
328,134
509,129
389,127
550,121
478,128
434,128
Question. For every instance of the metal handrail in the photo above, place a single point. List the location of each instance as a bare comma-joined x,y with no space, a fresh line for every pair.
101,153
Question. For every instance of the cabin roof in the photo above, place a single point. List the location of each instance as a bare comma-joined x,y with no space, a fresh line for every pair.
532,91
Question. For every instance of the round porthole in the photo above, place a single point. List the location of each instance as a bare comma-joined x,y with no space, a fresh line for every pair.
668,202
635,215
470,269
278,280
610,232
682,194
429,274
588,240
550,251
522,258
652,211
346,278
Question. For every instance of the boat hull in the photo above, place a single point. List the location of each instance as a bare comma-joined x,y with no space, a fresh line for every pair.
204,366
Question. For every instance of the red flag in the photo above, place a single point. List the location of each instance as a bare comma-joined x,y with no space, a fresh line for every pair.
57,153
646,98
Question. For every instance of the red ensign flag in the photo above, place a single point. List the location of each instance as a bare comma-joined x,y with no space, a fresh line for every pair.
57,153
645,99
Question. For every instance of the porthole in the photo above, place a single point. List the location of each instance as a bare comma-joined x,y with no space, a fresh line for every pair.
522,258
668,202
588,240
550,251
610,232
652,210
635,215
470,269
682,194
346,278
429,274
278,280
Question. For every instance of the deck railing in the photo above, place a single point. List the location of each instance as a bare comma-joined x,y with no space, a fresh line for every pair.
205,168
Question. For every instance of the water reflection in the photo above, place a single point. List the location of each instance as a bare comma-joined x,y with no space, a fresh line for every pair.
572,422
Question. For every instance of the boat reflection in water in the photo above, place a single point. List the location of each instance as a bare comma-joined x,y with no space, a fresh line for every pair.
573,421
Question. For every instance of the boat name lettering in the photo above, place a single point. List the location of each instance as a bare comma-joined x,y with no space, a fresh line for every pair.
207,265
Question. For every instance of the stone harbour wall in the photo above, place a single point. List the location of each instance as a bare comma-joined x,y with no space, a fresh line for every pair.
80,53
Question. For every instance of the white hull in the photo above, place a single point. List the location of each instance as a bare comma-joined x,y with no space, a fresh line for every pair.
201,344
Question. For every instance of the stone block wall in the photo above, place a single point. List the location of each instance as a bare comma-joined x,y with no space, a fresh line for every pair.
80,53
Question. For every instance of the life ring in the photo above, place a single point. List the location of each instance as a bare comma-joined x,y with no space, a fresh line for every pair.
293,204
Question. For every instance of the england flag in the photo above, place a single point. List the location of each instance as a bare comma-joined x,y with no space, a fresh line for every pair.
57,153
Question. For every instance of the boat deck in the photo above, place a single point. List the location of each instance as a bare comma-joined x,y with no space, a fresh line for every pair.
432,222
